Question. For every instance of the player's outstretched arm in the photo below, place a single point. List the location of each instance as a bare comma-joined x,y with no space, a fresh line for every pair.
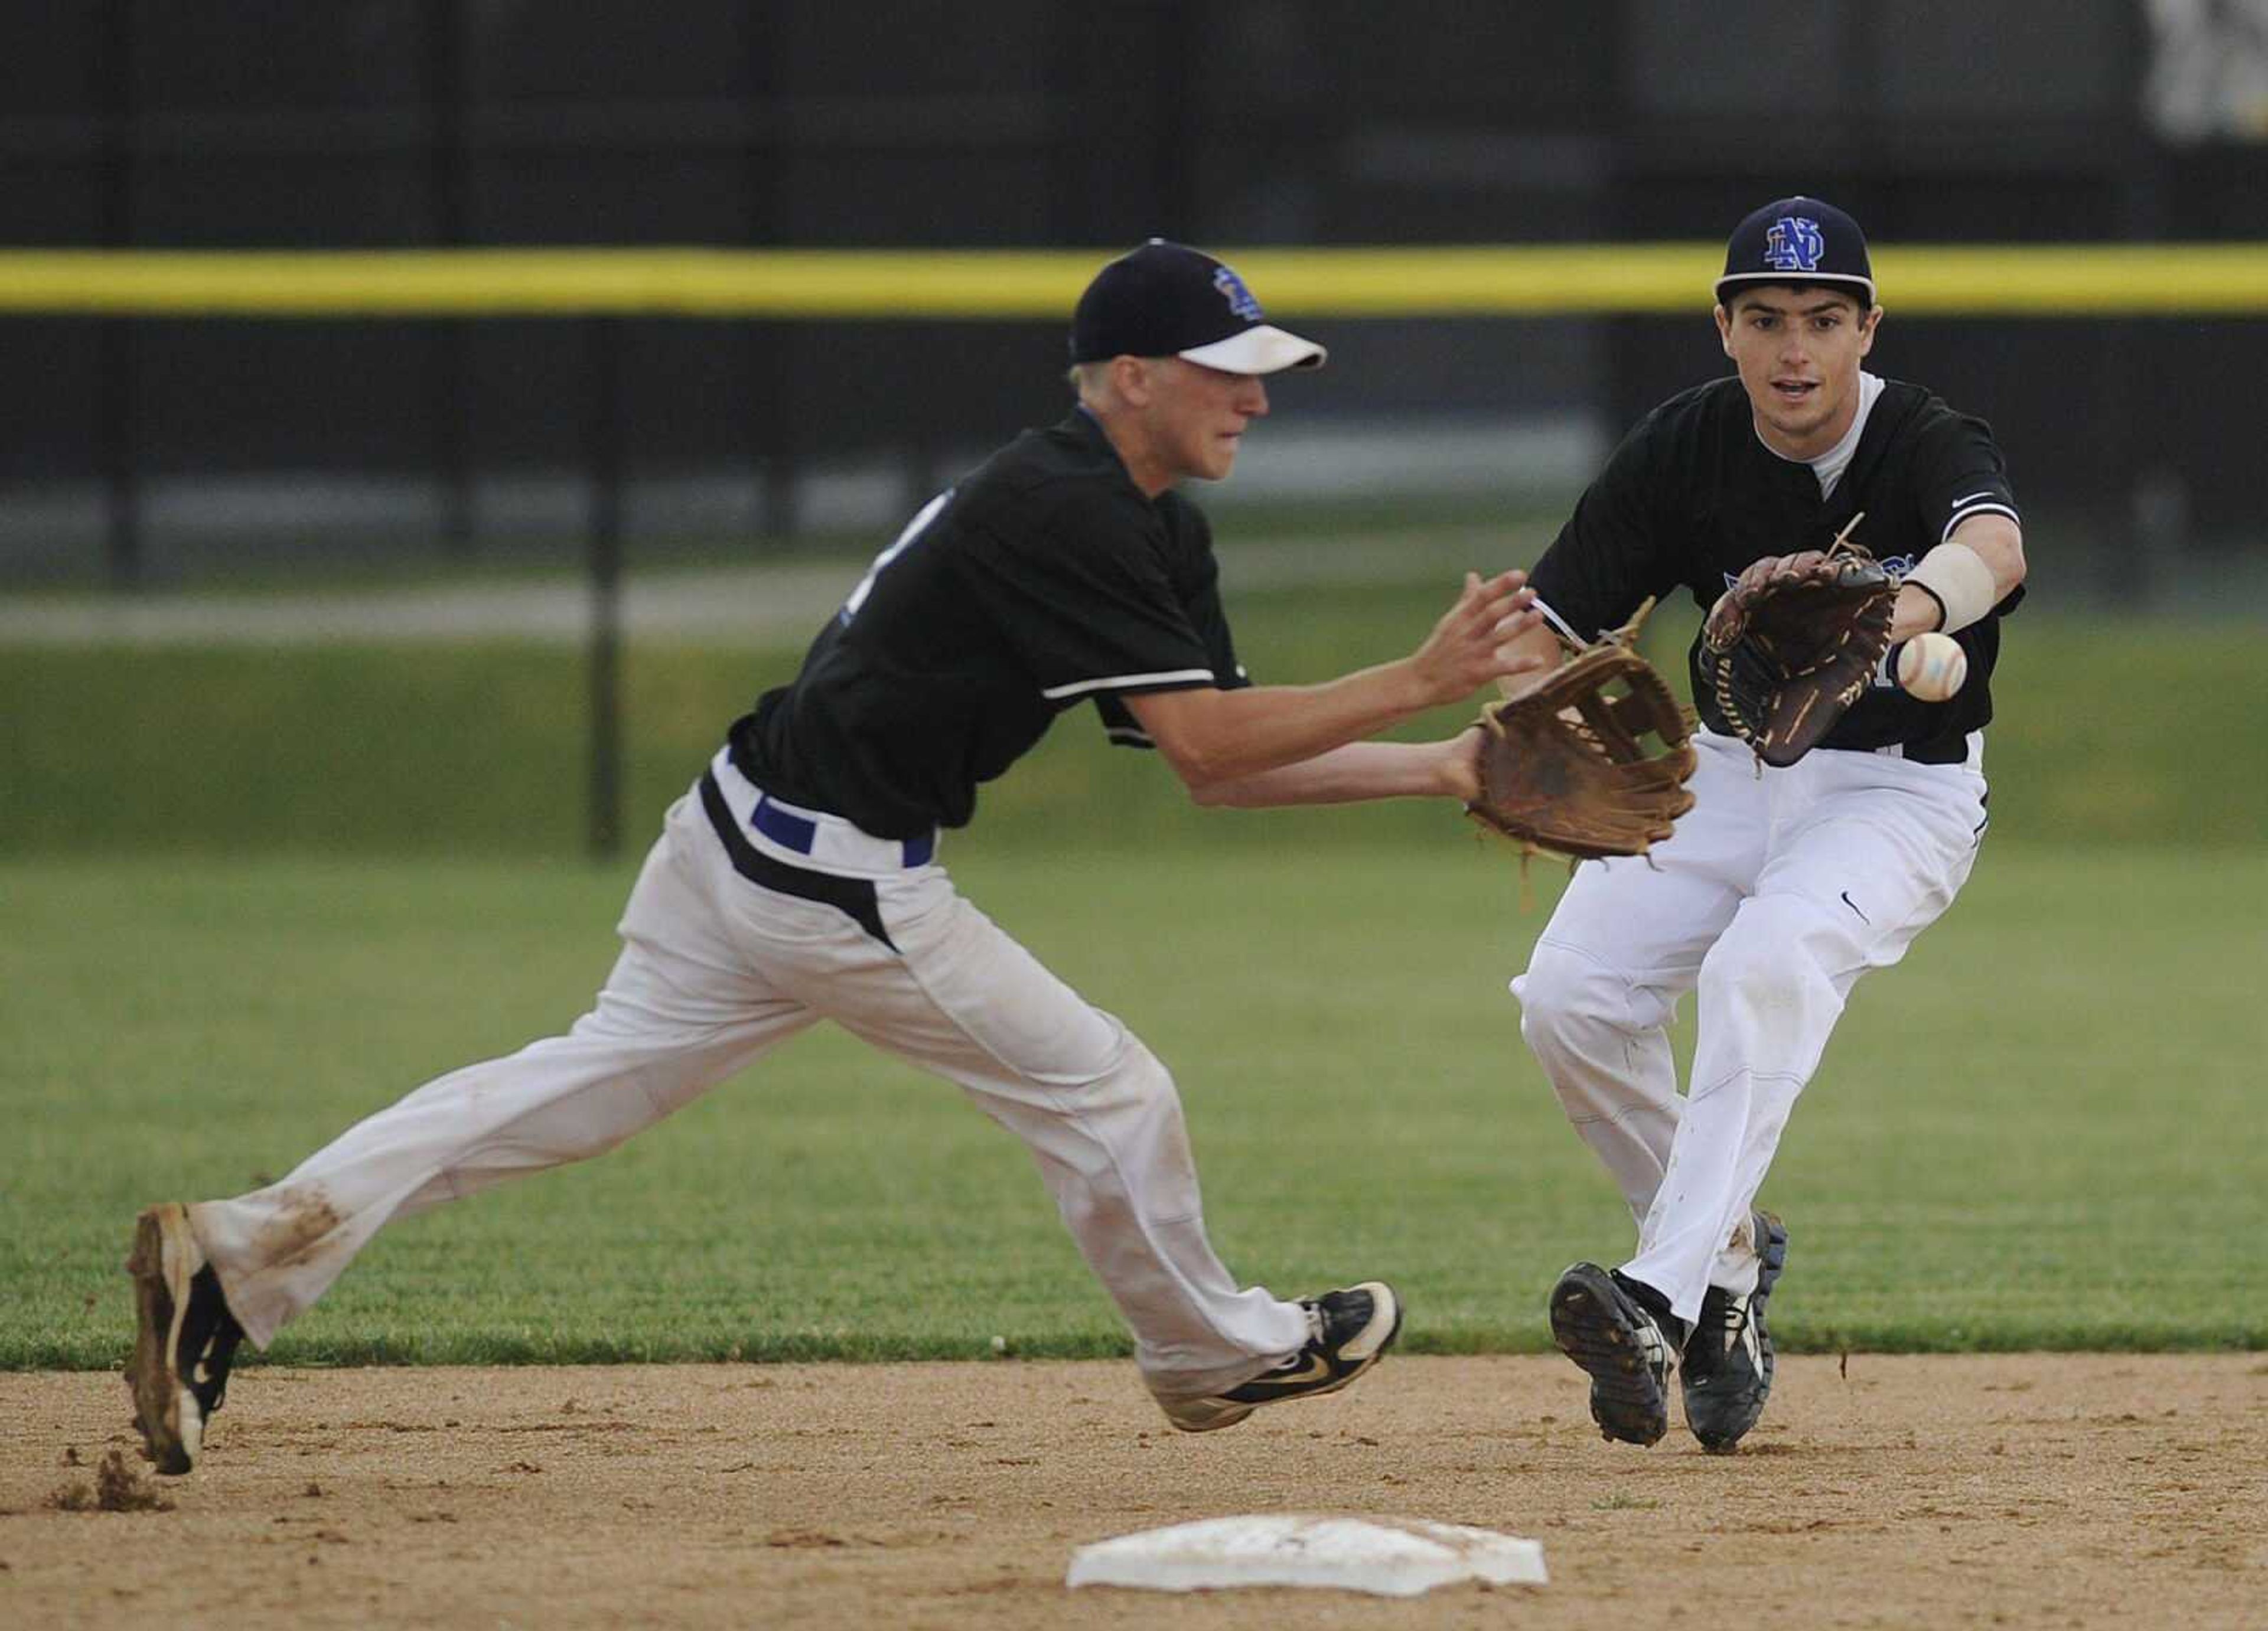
1211,736
1995,545
1356,772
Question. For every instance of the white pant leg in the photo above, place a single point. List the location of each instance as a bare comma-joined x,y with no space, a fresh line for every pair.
678,1014
1624,946
715,970
1867,851
1098,1111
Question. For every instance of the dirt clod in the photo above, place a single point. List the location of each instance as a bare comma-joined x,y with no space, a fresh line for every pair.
117,1488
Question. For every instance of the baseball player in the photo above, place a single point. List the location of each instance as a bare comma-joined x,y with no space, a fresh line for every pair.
1783,885
800,880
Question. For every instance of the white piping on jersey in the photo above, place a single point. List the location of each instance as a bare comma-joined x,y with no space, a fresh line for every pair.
1566,632
1994,508
1129,735
1081,688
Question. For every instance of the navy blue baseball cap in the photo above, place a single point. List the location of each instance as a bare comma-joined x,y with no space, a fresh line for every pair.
1797,240
1165,299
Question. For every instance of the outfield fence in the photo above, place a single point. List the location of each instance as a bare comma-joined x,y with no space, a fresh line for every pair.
438,368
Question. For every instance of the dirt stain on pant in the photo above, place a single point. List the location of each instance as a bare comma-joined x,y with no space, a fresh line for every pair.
305,1222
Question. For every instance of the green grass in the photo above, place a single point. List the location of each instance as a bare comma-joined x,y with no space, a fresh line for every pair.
2040,1132
248,897
457,751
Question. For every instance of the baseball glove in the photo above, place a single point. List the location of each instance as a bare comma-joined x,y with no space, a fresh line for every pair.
1565,768
1795,642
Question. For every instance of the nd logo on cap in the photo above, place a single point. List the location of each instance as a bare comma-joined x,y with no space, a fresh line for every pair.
1794,244
1239,297
1797,239
1166,299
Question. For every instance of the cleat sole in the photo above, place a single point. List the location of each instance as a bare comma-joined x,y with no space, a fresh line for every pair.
1629,1403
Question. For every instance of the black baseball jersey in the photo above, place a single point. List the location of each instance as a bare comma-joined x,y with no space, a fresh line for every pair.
1044,579
1692,495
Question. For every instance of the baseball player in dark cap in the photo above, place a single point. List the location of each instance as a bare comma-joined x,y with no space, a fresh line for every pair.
800,880
1784,884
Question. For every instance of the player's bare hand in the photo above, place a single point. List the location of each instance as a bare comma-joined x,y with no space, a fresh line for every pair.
1475,641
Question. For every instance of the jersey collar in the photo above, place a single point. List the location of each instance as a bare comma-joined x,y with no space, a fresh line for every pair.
1083,422
1831,465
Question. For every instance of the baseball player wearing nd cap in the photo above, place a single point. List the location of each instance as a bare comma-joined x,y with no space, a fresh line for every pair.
1782,886
799,880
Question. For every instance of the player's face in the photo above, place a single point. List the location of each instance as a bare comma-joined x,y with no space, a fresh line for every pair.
1199,414
1798,352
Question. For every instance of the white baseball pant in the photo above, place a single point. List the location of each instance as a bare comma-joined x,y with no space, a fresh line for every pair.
716,970
1777,891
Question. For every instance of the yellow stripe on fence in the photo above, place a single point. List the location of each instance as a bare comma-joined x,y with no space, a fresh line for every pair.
2090,279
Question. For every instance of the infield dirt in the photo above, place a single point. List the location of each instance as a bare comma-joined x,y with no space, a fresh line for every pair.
2005,1491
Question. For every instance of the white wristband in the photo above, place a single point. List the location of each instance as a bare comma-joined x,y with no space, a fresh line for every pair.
1963,584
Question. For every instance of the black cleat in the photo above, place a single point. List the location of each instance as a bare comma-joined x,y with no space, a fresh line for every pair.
185,1340
1350,1330
1598,1321
1727,1371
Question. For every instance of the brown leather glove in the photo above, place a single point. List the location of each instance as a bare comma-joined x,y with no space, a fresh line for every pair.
1566,768
1795,642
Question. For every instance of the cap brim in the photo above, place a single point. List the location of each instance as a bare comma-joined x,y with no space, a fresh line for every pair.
1260,350
1739,281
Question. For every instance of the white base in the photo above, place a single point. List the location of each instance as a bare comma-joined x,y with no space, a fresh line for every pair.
1390,1557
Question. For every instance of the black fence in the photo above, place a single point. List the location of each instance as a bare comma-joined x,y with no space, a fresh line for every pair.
135,123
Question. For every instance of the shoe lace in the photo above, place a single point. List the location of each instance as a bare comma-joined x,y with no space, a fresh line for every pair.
1313,1309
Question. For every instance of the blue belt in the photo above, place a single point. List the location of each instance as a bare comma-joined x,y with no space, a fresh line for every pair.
800,833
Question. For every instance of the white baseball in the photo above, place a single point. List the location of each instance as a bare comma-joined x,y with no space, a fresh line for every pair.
1932,666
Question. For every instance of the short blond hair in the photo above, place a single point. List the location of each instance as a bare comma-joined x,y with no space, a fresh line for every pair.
1086,377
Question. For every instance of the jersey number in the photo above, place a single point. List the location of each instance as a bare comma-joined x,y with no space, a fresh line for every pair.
926,514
